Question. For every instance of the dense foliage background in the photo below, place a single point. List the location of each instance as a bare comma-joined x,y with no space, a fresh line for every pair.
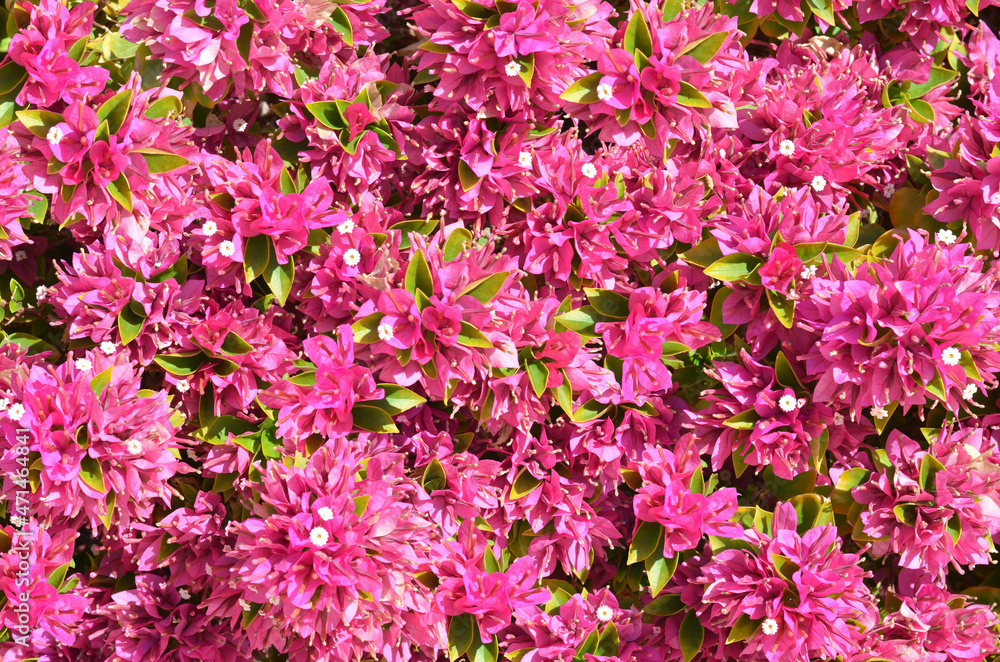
523,329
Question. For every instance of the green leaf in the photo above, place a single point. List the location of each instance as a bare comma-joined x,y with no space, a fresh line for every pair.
38,208
527,72
181,364
113,47
954,528
881,423
233,345
823,9
691,97
121,191
418,275
473,9
743,421
279,277
538,375
59,575
470,336
936,387
99,382
583,90
485,289
704,49
648,540
481,652
608,645
733,268
665,605
938,77
703,254
460,633
114,110
366,328
812,510
691,636
782,307
466,176
304,378
208,21
253,10
524,484
11,76
327,113
249,615
785,374
220,429
660,570
342,24
920,111
158,161
434,477
637,36
785,566
582,320
743,628
456,243
725,330
131,319
38,122
973,6
164,107
372,419
396,400
255,256
590,410
929,467
92,474
608,303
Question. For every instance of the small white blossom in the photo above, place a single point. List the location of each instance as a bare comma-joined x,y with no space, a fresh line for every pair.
818,183
4,403
41,292
83,364
55,135
970,392
183,386
512,68
838,419
134,446
605,613
318,536
879,413
385,331
209,228
770,626
184,593
227,248
108,347
524,159
808,272
191,454
605,91
946,237
951,356
347,227
352,257
274,599
787,403
240,125
787,148
20,256
589,170
888,191
244,605
325,514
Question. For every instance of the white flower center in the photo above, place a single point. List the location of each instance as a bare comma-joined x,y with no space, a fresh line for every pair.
838,419
20,256
183,386
352,257
970,392
318,536
605,613
605,91
809,272
83,364
244,605
240,125
512,68
55,135
209,228
946,237
325,514
227,248
888,191
108,347
951,356
770,626
879,413
589,170
184,593
15,412
41,292
787,148
524,159
385,331
787,403
818,183
347,227
134,446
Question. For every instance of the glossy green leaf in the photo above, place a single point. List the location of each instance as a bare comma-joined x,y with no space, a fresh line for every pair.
691,97
583,90
366,329
396,400
158,161
256,253
485,289
372,419
233,345
608,303
99,382
691,636
434,477
279,277
705,49
418,275
648,540
782,307
467,177
637,35
121,191
92,474
929,468
461,629
115,109
164,107
131,319
732,268
470,336
327,113
524,484
342,24
538,375
38,122
744,628
457,241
